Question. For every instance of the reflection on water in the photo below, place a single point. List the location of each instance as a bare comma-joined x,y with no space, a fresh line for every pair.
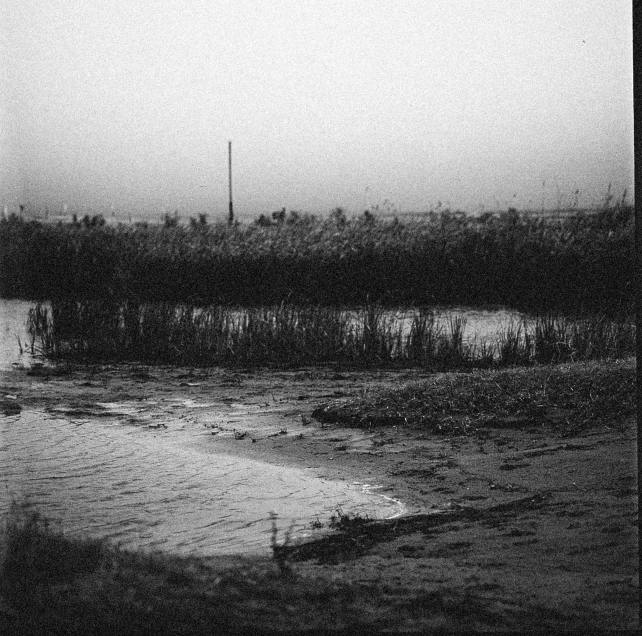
13,333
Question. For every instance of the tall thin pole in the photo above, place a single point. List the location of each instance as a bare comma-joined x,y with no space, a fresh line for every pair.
230,219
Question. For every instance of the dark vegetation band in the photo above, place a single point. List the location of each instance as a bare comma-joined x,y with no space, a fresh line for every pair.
582,261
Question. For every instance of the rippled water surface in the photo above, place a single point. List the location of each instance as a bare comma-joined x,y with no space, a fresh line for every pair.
101,479
91,474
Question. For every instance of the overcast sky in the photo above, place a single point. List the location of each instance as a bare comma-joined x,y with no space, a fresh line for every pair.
128,105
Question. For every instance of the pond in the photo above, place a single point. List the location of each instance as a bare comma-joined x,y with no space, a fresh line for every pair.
136,468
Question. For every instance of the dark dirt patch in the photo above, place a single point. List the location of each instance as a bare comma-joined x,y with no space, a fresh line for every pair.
359,539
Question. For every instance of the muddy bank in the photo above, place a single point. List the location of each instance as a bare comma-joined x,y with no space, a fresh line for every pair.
528,526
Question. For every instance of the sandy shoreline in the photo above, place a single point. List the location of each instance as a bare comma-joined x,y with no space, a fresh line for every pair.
530,526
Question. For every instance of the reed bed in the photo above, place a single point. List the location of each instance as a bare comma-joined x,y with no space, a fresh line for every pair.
286,335
582,261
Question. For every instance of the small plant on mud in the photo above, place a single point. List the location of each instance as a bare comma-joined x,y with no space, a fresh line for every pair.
280,552
345,521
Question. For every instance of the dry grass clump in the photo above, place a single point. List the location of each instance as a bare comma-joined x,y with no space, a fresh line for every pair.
566,397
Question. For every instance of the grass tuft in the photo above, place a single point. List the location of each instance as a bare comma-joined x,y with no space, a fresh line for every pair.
566,398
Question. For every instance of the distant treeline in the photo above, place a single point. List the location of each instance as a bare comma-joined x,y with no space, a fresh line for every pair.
581,262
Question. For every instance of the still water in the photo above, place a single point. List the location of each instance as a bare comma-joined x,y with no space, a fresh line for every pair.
95,476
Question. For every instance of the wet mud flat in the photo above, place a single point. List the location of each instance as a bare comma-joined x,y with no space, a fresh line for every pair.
543,536
519,527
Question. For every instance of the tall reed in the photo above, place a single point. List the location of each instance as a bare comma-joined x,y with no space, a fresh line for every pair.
286,335
577,262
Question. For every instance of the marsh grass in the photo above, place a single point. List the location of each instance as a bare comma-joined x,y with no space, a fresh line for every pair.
514,344
526,262
288,336
565,397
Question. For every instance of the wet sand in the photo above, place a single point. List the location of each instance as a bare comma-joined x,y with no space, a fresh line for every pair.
518,520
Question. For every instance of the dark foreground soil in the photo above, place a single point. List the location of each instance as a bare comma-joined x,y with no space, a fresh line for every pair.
513,528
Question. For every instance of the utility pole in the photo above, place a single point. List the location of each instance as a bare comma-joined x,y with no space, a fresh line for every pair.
230,218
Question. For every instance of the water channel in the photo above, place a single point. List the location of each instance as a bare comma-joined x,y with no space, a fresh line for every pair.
93,475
